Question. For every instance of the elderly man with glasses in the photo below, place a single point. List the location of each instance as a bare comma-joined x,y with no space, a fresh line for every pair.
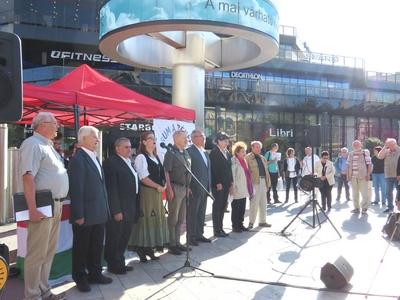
41,168
201,168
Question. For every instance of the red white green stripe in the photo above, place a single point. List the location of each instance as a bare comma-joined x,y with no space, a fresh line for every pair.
61,268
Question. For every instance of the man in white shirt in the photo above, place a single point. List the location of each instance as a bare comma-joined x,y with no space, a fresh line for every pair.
306,164
122,190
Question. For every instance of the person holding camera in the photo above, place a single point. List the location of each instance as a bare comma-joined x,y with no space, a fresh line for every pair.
326,173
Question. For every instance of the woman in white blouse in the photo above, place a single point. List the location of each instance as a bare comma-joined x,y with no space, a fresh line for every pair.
291,168
151,230
326,172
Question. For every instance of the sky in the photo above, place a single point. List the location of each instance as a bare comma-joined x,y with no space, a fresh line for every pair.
368,29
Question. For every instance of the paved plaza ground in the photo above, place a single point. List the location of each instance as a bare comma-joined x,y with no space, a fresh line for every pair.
263,264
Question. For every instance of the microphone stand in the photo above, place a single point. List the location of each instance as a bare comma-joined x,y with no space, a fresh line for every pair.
187,202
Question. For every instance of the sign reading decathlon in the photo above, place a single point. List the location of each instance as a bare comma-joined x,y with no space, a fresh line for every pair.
258,15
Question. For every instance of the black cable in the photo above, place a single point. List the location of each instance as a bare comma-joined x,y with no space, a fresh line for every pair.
287,285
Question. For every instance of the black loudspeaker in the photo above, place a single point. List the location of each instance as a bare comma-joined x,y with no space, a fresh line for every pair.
312,136
10,78
337,275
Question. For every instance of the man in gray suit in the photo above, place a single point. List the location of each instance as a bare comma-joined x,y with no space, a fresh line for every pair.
89,211
201,168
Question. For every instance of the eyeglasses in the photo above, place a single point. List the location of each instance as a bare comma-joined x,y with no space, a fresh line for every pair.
51,122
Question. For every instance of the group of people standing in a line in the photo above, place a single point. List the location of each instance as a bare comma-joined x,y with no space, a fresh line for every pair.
121,200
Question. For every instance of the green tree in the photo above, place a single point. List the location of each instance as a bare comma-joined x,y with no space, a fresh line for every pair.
372,142
281,141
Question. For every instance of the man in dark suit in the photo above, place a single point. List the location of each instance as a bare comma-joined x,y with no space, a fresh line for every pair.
89,211
201,168
122,190
221,181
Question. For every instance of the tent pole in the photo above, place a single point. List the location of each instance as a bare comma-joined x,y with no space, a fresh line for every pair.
76,119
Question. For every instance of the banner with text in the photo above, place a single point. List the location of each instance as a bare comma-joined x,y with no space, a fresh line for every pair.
164,129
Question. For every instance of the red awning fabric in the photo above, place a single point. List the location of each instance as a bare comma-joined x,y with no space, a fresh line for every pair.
101,101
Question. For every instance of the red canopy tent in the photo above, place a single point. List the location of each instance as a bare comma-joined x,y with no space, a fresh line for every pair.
85,97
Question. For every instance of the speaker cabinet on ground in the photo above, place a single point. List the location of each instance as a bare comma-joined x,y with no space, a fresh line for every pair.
337,275
10,78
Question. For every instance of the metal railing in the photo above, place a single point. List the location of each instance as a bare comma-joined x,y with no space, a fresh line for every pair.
381,76
288,30
321,58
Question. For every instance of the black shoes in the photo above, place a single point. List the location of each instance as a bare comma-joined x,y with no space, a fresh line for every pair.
83,286
99,279
387,210
277,202
193,243
150,253
120,271
220,233
203,240
183,248
264,225
237,230
142,255
174,250
244,228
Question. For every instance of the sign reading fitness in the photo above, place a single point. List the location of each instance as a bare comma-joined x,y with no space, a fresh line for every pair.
260,15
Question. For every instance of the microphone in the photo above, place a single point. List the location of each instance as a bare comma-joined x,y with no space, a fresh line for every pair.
165,146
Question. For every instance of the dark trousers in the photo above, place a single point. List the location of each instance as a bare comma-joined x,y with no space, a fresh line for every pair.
218,208
117,237
238,210
274,184
196,214
326,195
342,181
87,248
294,183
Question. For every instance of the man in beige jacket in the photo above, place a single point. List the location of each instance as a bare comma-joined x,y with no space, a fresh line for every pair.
258,167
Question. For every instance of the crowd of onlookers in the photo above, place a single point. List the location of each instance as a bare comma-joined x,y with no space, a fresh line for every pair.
121,200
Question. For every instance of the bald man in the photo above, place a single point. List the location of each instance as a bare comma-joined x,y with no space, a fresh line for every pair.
177,184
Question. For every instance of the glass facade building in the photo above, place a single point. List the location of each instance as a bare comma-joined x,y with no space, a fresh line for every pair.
282,97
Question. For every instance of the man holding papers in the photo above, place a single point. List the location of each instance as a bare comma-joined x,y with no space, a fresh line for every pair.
41,169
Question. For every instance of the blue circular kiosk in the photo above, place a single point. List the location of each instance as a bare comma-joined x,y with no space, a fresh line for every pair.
190,37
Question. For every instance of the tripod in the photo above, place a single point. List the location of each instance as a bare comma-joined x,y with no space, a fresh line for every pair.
187,203
396,227
315,205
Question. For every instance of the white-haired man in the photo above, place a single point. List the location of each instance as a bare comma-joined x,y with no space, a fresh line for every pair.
89,211
41,168
258,166
390,153
341,173
177,183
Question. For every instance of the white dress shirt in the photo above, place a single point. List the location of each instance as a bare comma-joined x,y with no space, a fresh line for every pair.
129,163
93,156
201,150
141,165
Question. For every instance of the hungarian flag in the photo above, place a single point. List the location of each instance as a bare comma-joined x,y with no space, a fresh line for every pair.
62,262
